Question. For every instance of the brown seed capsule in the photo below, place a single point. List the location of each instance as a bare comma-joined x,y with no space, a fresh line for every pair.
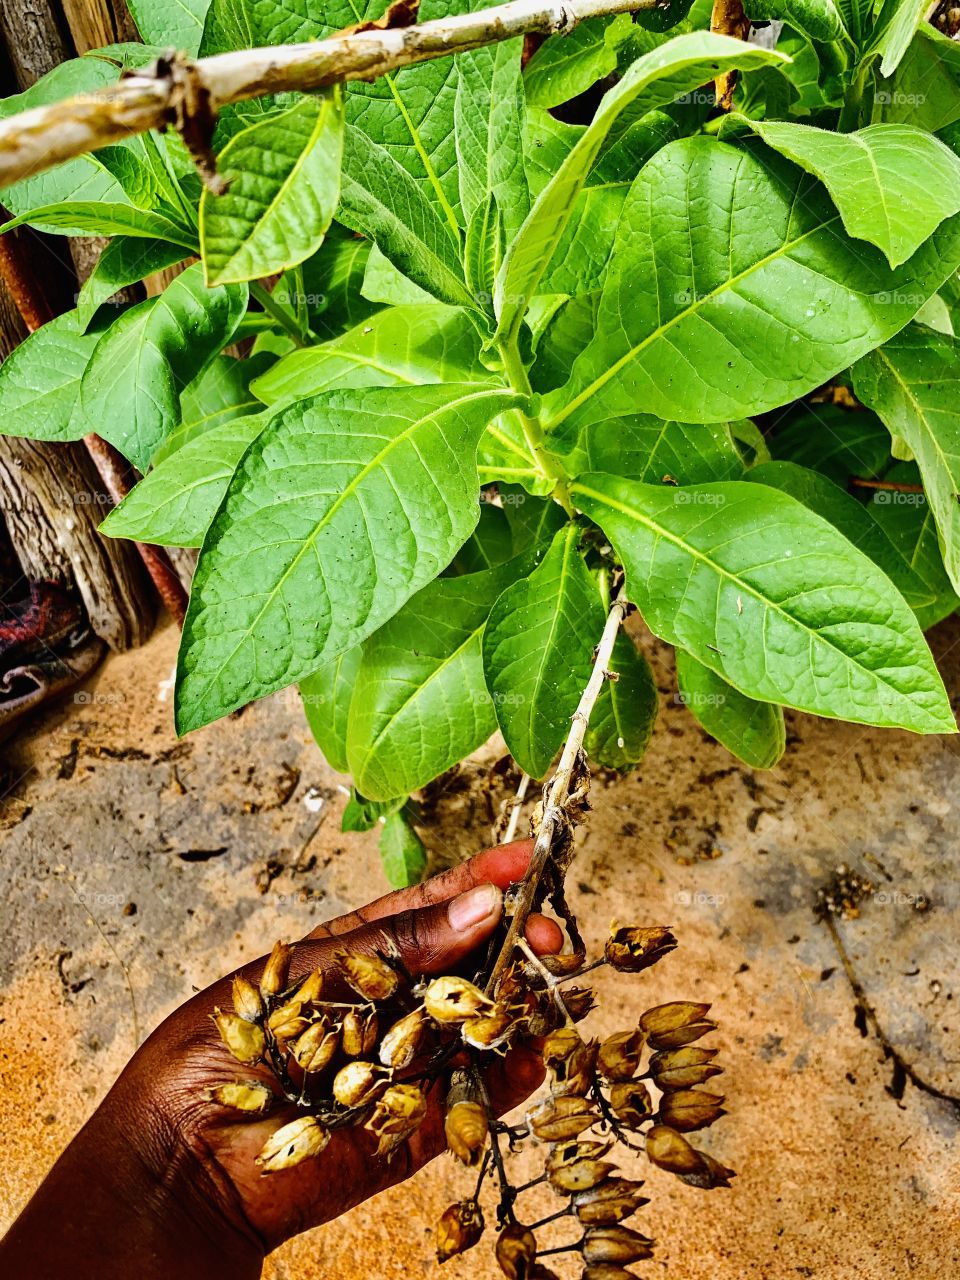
245,1040
357,1083
459,1229
632,949
631,1103
286,1022
609,1202
689,1109
619,1055
711,1174
243,1095
516,1251
668,1150
397,1115
617,1246
399,1046
578,1002
316,1046
683,1068
247,1003
311,988
451,999
293,1143
566,1153
491,1030
670,1026
580,1176
370,976
564,965
466,1128
274,977
359,1032
557,1119
571,1060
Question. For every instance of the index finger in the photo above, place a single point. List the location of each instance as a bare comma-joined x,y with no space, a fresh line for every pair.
502,865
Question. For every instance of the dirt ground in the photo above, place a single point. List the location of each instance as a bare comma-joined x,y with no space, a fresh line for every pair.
135,869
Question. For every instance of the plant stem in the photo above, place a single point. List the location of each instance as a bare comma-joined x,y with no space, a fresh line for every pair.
44,136
284,319
533,432
517,803
554,808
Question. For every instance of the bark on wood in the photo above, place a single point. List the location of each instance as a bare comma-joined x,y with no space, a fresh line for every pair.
95,23
36,38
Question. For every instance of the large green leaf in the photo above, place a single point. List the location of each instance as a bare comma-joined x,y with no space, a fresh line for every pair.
839,443
331,281
817,19
772,598
567,65
421,703
641,447
40,381
380,200
925,88
326,698
488,119
401,346
622,720
490,544
893,184
655,79
346,505
284,183
174,503
538,651
124,261
220,394
737,290
913,383
96,218
171,22
896,25
130,393
753,731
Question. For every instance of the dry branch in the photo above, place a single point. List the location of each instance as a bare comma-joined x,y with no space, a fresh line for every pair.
154,98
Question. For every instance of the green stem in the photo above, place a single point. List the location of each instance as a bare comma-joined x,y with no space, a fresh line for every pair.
303,321
284,319
532,430
852,108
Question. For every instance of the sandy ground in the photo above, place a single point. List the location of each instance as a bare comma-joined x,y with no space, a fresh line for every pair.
135,869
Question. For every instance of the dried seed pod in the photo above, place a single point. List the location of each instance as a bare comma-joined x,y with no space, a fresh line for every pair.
685,1077
619,1055
566,1153
630,1102
359,1032
571,1060
490,1030
711,1174
580,1176
400,1045
516,1251
578,1002
293,1143
609,1202
398,1114
247,1003
357,1083
616,1246
459,1229
316,1046
370,976
565,965
311,988
683,1035
683,1068
670,1026
245,1040
466,1128
556,1119
689,1109
273,980
668,1150
286,1022
632,949
451,999
243,1095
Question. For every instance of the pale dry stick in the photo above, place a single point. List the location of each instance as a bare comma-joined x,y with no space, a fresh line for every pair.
516,810
554,814
154,98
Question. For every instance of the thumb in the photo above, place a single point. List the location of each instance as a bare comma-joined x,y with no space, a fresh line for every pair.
429,939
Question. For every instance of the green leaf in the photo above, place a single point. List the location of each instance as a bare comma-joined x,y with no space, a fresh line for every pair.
567,65
483,250
728,304
331,280
622,720
652,81
641,447
753,731
896,25
40,381
174,503
344,507
326,698
538,651
220,394
421,703
835,441
171,22
284,183
533,521
402,853
131,388
380,200
363,814
505,455
133,174
384,284
892,184
925,88
94,218
401,346
490,544
818,19
124,261
772,598
913,383
488,121
663,17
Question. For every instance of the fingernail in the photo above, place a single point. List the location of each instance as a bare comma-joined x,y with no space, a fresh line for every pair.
474,907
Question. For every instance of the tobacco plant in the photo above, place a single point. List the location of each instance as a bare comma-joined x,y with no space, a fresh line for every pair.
515,327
